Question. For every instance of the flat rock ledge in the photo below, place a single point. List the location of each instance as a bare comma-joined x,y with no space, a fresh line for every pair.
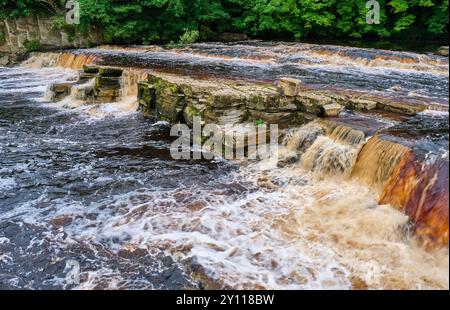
176,98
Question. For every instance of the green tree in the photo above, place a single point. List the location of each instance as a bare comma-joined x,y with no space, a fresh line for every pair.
147,21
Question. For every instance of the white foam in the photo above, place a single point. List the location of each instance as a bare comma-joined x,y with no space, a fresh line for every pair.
435,113
7,183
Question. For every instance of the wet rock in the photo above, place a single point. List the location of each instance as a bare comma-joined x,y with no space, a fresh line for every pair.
147,98
83,93
190,112
289,87
100,92
59,91
12,59
225,99
332,110
169,99
404,108
272,102
312,102
61,88
283,119
226,103
84,77
361,104
443,51
232,117
91,69
110,72
107,82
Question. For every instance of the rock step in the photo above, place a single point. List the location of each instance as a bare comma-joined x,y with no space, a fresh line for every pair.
226,102
110,72
91,69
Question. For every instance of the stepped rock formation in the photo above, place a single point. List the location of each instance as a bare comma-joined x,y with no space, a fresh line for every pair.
393,170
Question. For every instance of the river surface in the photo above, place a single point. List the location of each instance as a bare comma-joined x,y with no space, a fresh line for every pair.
95,186
405,75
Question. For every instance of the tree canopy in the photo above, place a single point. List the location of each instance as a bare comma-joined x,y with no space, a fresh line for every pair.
147,21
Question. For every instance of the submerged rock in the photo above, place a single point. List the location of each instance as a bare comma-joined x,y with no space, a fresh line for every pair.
59,91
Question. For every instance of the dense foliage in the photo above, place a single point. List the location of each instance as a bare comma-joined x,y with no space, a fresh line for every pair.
146,21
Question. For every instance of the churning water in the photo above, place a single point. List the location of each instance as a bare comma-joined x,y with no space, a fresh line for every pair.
97,185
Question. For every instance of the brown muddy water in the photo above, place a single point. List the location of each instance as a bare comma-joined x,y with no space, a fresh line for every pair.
97,185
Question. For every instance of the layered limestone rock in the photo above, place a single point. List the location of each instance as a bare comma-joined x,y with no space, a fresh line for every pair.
332,110
95,85
226,102
222,102
59,91
289,87
16,32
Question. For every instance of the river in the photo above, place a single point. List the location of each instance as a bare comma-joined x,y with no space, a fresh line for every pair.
96,186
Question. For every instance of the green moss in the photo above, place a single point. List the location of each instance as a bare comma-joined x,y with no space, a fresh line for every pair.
32,45
107,82
91,69
259,122
2,37
110,72
147,98
189,113
59,23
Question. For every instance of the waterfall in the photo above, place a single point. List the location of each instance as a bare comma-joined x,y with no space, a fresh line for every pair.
326,149
130,79
63,60
323,147
377,162
391,170
329,157
75,61
421,191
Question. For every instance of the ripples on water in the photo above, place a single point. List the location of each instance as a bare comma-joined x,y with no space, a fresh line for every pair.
398,74
86,184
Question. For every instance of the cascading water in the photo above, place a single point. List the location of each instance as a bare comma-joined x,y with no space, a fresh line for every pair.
96,184
377,161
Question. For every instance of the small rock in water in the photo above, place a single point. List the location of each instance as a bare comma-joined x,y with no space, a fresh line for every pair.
289,87
332,110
